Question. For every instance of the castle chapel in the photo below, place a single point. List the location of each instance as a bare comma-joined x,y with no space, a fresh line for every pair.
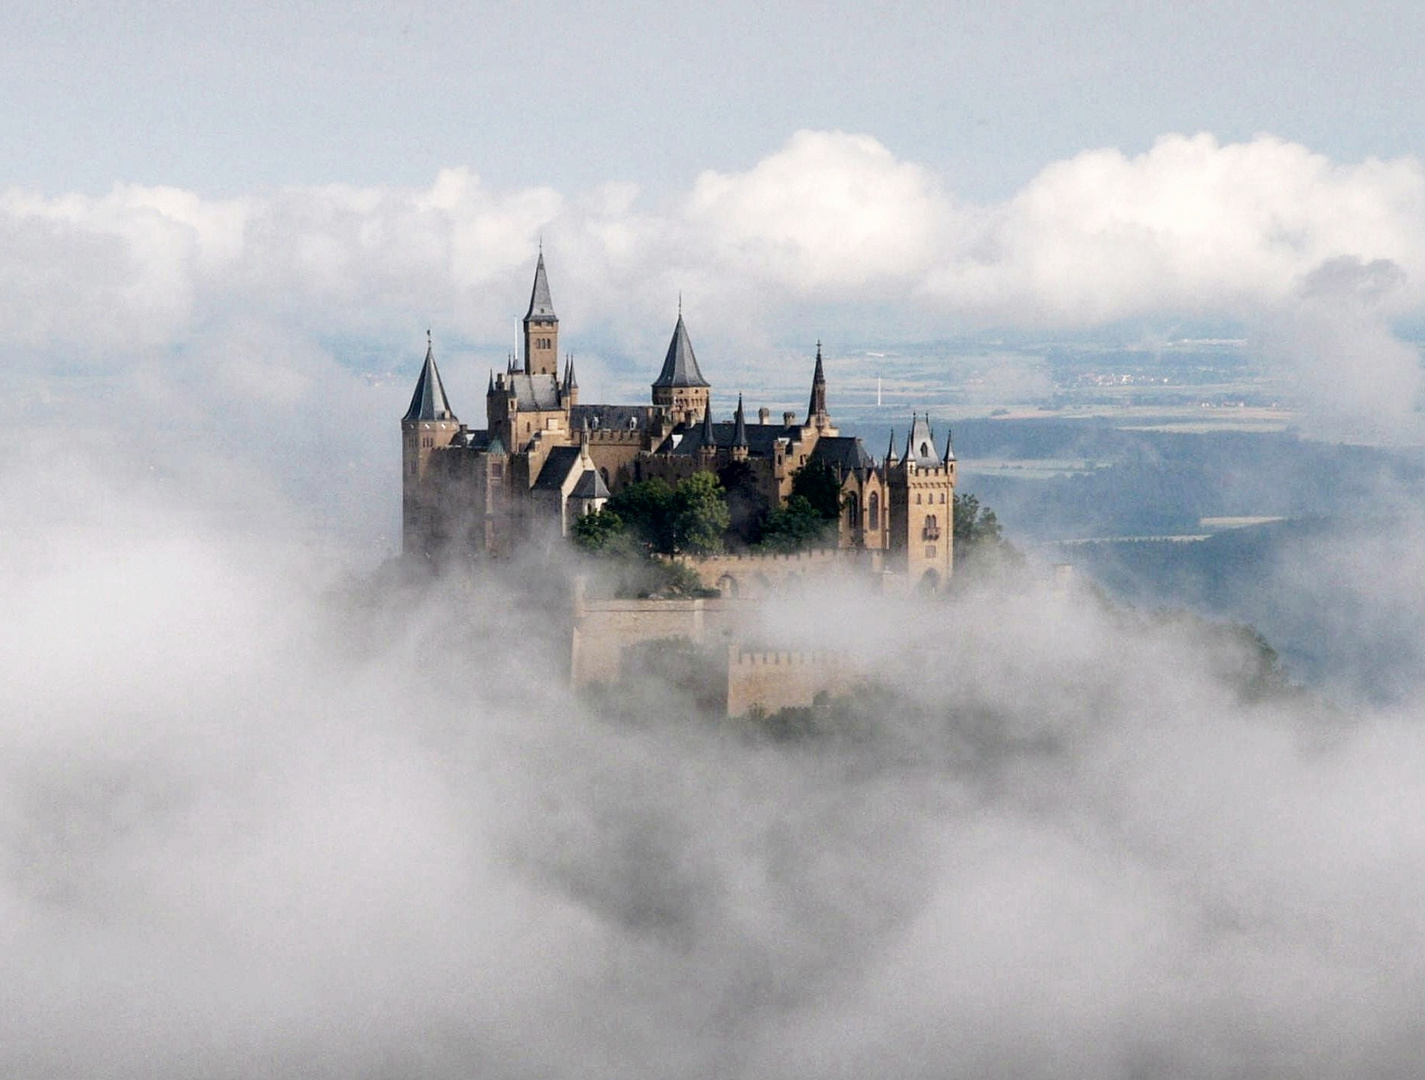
543,458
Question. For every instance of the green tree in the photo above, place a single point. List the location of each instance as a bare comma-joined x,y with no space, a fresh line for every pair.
603,532
646,508
795,527
974,523
746,503
699,515
817,483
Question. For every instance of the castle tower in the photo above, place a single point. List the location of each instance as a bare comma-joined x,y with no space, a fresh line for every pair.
541,328
680,387
428,425
740,448
922,508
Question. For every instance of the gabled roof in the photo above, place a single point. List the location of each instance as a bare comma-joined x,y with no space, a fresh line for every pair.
540,304
562,460
429,401
680,366
590,486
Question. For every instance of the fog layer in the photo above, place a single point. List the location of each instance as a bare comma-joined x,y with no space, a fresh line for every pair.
261,815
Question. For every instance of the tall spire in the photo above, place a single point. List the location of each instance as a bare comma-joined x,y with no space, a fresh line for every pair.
429,401
680,366
816,408
570,383
739,429
891,458
709,439
949,447
540,304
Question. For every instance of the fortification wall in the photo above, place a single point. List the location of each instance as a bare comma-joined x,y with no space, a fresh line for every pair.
759,576
605,629
770,681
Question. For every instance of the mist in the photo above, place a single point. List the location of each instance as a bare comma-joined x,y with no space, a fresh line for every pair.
268,809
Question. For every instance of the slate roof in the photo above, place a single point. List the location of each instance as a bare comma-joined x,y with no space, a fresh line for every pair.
612,416
429,401
590,486
842,452
761,438
680,366
562,460
472,440
540,304
920,444
534,391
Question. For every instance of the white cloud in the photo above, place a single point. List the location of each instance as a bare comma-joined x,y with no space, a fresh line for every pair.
1254,232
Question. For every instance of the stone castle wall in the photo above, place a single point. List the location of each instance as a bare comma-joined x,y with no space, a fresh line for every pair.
755,577
769,681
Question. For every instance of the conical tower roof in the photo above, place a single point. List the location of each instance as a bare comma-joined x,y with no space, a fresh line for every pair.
429,401
949,447
541,306
680,366
739,428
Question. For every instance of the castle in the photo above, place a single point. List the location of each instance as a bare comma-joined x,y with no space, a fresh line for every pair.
544,458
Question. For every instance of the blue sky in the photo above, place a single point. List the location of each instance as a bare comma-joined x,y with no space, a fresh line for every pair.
228,99
259,200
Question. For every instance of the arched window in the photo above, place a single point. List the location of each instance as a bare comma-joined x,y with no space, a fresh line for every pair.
873,510
853,511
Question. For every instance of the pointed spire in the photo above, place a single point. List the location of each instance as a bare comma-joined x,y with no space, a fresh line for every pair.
429,401
949,447
891,458
571,383
540,304
708,438
680,366
739,430
490,389
817,406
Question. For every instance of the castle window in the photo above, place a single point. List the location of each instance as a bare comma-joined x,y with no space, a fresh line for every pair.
873,509
497,469
853,511
917,498
932,528
930,552
942,496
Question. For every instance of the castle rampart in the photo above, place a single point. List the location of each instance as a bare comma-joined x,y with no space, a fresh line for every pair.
755,577
769,681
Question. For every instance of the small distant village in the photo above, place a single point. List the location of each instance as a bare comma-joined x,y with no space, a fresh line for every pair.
737,513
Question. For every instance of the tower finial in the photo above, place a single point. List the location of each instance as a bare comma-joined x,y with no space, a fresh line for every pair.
680,303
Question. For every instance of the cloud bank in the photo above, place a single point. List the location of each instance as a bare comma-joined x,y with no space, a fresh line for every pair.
255,820
830,228
1191,226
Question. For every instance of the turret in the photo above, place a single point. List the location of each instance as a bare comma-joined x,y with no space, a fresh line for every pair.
570,389
680,387
740,447
541,327
428,425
